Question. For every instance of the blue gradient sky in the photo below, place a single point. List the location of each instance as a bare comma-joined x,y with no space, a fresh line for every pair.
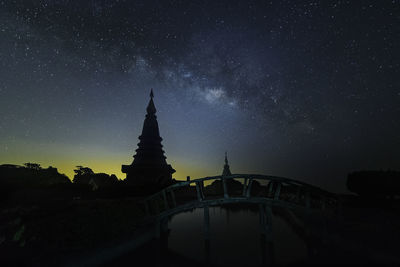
305,89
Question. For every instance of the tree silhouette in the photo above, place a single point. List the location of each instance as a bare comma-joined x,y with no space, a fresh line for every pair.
32,174
85,175
33,166
80,171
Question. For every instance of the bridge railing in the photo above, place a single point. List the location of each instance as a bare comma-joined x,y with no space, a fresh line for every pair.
252,187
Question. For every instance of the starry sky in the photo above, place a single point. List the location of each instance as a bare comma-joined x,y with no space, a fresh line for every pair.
303,89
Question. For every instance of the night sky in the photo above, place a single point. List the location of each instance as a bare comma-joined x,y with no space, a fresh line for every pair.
303,89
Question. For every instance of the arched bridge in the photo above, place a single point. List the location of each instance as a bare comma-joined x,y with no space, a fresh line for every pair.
240,188
307,208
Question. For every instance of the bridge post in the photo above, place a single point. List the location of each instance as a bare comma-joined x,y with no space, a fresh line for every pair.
206,222
207,233
270,187
226,195
202,189
198,190
245,186
161,226
156,206
173,198
162,233
277,190
262,218
248,193
267,252
166,206
265,219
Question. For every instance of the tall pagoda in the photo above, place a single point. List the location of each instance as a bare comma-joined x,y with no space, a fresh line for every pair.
149,167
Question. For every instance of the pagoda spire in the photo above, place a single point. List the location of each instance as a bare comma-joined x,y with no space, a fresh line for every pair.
226,171
151,108
149,167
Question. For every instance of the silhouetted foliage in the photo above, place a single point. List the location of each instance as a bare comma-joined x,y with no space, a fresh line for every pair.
33,166
374,183
81,171
85,175
232,185
30,175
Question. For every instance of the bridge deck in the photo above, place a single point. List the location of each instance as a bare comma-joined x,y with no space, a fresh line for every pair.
278,191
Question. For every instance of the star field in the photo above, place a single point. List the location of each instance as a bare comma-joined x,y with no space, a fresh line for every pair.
304,89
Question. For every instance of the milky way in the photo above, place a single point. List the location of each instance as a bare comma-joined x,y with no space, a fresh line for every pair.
304,89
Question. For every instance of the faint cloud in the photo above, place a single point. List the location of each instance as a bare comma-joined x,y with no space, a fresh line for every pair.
213,95
232,103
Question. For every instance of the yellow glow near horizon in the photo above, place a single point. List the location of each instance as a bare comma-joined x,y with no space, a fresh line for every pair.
100,166
66,157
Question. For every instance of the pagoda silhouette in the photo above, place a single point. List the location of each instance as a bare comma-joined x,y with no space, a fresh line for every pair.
149,168
232,184
226,171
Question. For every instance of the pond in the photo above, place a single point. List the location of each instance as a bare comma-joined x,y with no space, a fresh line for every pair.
234,238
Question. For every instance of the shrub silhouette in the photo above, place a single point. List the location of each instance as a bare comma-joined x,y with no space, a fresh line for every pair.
374,183
85,175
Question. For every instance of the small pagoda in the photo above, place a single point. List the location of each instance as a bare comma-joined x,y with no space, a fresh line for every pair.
226,171
216,186
149,168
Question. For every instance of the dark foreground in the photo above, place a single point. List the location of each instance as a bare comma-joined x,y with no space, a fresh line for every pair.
76,231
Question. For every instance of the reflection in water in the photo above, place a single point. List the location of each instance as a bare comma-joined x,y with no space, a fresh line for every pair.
234,238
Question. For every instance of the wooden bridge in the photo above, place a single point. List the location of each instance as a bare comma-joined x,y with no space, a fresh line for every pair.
306,207
240,188
300,204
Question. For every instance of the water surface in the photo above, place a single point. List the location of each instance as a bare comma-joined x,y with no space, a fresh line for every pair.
235,237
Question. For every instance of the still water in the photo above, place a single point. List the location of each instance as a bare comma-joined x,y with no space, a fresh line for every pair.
235,238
